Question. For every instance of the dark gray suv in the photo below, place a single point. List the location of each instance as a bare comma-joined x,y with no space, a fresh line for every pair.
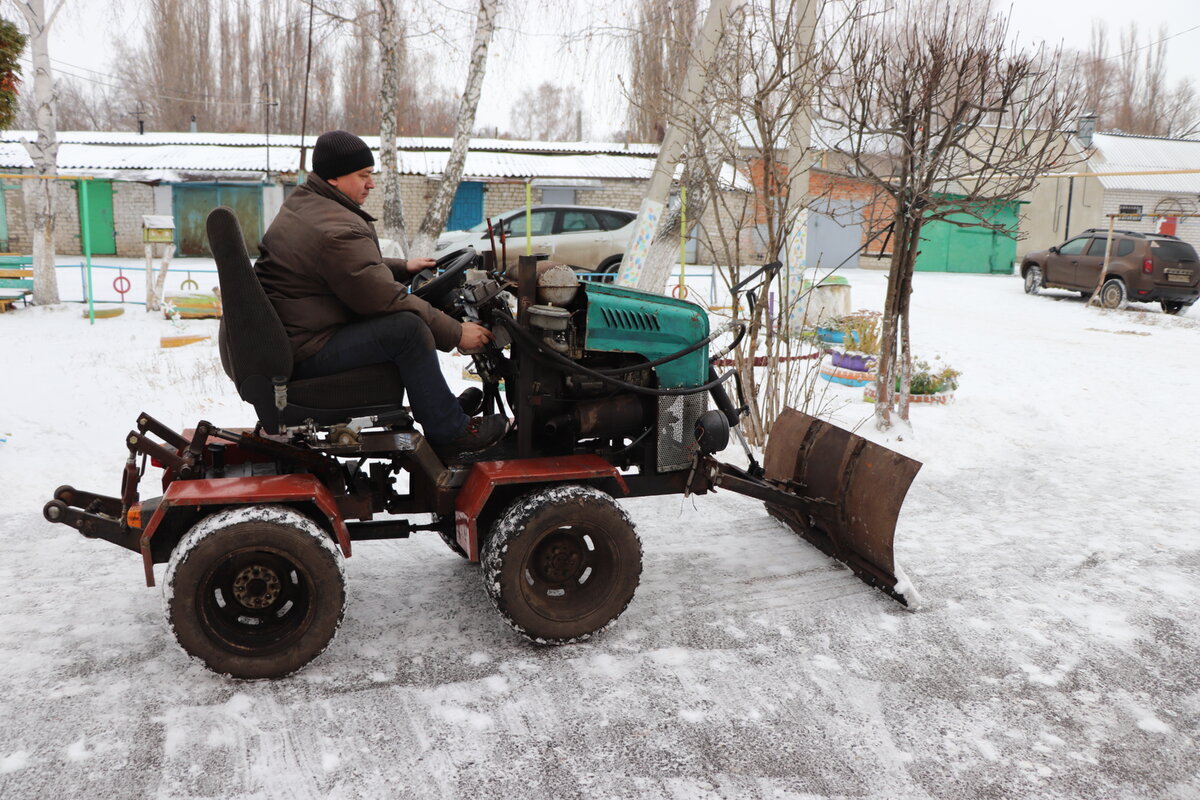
1143,268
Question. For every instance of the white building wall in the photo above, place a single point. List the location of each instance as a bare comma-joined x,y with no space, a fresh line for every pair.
1154,207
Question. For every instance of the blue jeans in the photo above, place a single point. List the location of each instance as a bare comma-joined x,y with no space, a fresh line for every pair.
403,339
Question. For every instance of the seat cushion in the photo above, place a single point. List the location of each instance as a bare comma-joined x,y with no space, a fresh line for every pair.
365,387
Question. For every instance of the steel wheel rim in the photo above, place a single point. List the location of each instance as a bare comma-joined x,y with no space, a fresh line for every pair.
256,598
569,573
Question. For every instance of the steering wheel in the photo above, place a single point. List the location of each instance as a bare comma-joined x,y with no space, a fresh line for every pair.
433,288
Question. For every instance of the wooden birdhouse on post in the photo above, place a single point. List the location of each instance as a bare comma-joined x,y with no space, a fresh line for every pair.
157,229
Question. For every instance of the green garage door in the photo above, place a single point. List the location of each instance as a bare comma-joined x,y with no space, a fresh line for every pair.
946,247
101,230
192,203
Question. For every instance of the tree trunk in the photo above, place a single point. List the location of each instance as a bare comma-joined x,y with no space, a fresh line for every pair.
43,152
160,281
701,172
885,373
392,50
439,207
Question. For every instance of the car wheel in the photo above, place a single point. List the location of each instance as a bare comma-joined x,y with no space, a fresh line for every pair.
608,269
1174,307
1113,294
1033,279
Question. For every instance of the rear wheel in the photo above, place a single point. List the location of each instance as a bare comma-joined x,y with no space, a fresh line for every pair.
255,592
1174,307
562,563
1113,294
608,269
1033,279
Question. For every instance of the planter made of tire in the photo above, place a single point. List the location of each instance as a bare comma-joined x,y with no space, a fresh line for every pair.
856,362
845,377
939,399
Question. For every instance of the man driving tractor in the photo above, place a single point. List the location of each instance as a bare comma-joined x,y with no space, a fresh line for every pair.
343,305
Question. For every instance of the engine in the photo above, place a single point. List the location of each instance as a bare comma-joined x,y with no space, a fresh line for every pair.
595,367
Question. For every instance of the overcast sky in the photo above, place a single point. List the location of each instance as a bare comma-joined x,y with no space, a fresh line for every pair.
529,48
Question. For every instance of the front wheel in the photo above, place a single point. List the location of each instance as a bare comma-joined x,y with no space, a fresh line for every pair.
255,592
1174,307
1033,279
562,563
1113,294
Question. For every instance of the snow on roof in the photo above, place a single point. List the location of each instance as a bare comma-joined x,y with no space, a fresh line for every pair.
166,156
281,140
1119,152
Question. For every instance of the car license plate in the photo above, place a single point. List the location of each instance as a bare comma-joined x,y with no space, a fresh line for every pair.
1179,277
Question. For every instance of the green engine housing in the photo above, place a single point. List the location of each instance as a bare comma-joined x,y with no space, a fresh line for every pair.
622,320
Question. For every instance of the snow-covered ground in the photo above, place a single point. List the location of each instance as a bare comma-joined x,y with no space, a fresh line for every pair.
1052,532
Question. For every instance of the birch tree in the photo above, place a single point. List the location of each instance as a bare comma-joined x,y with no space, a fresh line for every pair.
439,207
391,36
930,102
39,192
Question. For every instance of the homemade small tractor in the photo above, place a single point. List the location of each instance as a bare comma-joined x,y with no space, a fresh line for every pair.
609,390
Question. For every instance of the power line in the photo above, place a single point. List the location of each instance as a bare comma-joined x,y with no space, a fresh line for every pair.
1149,45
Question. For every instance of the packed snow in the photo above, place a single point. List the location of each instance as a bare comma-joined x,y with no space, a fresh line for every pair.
1051,531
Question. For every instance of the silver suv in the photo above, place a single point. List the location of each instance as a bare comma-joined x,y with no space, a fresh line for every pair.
585,237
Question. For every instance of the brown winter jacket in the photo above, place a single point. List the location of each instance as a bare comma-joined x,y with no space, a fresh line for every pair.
320,265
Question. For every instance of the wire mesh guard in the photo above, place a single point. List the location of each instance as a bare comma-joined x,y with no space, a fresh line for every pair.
677,429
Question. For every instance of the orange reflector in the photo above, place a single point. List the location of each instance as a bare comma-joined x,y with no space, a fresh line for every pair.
134,516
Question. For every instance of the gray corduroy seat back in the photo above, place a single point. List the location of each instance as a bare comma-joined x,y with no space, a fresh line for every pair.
256,354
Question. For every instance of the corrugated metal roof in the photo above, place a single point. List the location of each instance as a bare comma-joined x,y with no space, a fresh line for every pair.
1126,153
433,143
155,157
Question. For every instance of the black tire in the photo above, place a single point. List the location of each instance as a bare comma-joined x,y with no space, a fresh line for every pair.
608,269
451,541
1033,279
1113,294
255,592
562,563
1174,307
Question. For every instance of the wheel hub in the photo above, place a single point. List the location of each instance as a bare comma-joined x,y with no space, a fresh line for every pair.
559,559
256,586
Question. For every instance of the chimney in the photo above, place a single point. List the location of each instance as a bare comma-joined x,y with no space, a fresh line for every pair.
192,127
1085,128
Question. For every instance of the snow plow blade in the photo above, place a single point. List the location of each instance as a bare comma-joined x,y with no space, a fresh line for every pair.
852,491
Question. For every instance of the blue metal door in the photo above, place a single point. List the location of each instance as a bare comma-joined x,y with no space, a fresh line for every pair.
468,206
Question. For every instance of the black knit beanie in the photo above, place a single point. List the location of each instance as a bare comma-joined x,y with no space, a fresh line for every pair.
339,153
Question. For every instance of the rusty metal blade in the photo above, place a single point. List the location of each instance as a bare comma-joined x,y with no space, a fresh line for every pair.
853,490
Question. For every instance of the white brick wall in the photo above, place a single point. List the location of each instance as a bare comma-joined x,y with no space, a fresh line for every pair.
1151,202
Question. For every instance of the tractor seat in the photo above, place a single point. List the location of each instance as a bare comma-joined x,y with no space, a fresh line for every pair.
256,355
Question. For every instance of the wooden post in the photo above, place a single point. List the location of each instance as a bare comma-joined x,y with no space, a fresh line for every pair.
1095,298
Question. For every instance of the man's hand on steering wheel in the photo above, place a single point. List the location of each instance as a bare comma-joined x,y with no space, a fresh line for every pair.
434,289
415,265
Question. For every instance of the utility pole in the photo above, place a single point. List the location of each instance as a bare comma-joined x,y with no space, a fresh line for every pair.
140,113
669,153
267,104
